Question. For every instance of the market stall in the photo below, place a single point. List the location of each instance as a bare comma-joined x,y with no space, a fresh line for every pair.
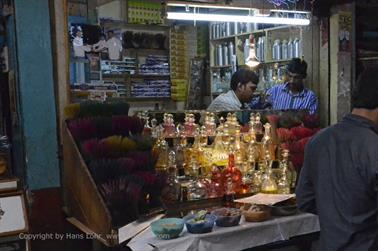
124,173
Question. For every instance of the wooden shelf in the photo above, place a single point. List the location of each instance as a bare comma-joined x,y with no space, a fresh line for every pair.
221,66
138,99
147,51
125,75
116,76
149,76
223,38
268,29
122,24
276,61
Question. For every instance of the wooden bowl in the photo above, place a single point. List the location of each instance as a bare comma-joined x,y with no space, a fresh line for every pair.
262,214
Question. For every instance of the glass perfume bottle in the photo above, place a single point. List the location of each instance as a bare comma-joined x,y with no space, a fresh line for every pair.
171,192
154,128
160,151
238,149
258,127
256,178
268,183
180,155
210,124
234,124
219,155
198,187
169,125
216,183
246,179
267,142
226,137
233,173
252,119
288,168
229,193
190,125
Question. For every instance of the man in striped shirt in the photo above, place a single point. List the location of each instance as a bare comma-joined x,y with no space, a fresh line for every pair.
293,94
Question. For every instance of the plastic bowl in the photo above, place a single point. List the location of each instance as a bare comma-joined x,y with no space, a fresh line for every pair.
167,228
227,217
202,227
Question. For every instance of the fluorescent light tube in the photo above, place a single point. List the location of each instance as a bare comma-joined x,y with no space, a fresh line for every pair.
207,6
236,18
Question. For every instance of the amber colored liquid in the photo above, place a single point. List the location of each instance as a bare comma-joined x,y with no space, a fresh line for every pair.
269,191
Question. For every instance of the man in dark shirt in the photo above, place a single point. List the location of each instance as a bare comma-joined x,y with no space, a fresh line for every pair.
339,178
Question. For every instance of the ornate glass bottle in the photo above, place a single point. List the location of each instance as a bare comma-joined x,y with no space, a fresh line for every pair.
160,151
268,184
199,186
171,192
258,127
233,173
210,124
190,125
267,142
169,125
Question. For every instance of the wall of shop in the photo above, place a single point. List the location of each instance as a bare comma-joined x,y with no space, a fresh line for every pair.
36,93
342,55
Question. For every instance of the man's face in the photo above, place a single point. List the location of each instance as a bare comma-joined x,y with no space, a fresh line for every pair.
246,91
295,79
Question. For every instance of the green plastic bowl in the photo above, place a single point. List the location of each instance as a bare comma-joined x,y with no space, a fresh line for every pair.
167,228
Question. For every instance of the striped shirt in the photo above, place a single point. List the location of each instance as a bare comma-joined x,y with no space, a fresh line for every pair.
282,98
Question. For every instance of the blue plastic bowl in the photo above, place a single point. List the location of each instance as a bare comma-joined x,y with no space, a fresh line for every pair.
205,226
167,228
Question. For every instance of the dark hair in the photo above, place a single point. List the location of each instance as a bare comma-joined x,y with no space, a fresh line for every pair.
365,92
243,76
298,66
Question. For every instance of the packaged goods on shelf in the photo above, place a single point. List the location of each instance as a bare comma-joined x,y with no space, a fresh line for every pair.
151,88
127,66
155,65
144,12
179,89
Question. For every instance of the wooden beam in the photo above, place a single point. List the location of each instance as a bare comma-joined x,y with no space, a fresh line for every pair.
61,52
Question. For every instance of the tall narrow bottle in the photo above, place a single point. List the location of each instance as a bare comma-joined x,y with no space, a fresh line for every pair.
268,183
267,142
171,192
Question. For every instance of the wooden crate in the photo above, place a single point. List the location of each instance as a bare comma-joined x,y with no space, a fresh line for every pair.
83,203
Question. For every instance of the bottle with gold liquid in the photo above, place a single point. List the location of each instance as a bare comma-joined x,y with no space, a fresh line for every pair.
284,181
180,155
267,141
238,149
233,173
171,192
268,183
219,154
258,127
287,167
160,151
